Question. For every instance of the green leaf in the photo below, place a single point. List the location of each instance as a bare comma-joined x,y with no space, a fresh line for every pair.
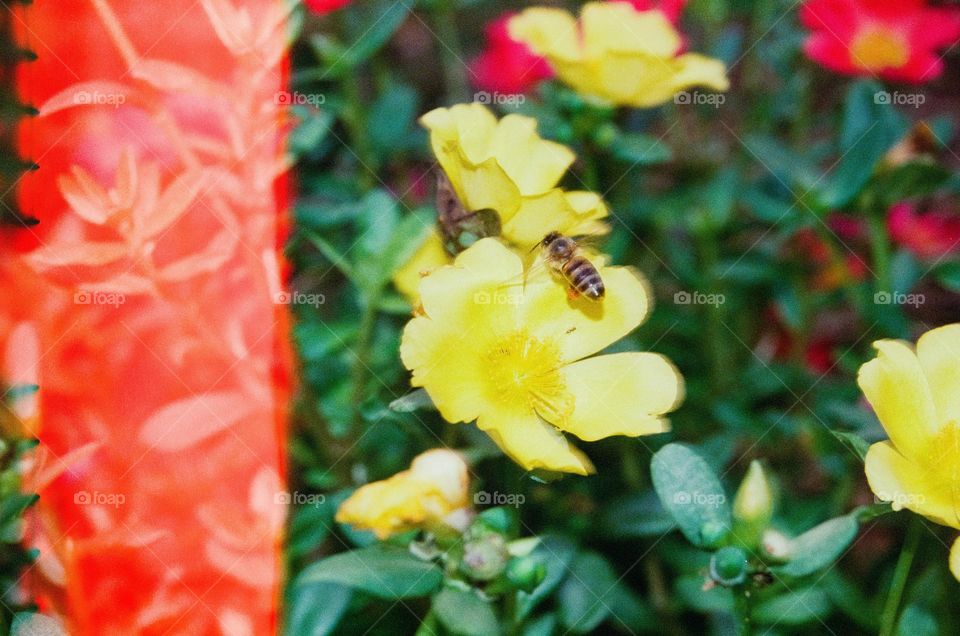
583,597
915,179
383,571
555,553
390,122
14,505
464,613
640,149
794,608
917,621
819,547
854,442
316,609
948,275
370,27
690,491
546,625
636,515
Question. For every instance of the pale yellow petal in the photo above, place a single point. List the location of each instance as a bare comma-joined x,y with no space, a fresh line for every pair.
581,326
693,69
939,354
533,443
617,26
549,32
570,213
428,257
905,484
487,186
955,559
534,164
467,304
895,386
621,394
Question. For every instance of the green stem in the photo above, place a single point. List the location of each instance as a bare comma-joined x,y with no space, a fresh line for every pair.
358,376
880,247
888,621
742,606
451,52
354,116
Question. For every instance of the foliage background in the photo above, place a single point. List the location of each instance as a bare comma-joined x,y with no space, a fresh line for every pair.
733,201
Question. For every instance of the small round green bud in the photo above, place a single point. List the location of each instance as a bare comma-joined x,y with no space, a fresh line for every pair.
525,573
605,135
485,558
728,566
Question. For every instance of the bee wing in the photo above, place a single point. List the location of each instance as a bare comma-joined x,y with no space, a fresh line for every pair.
450,209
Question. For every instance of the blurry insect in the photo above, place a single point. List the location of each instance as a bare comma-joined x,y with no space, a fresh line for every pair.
459,227
565,257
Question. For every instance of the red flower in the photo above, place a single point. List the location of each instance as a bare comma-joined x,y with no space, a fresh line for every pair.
930,236
896,41
507,66
670,8
325,6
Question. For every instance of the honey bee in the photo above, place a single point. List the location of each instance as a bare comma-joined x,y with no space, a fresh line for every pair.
460,227
565,257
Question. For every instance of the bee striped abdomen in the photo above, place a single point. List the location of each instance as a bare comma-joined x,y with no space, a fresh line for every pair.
584,277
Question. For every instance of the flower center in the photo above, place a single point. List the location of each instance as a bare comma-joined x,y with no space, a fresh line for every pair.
524,375
877,48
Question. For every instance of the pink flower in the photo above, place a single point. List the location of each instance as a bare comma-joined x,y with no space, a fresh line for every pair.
896,41
325,6
507,66
670,8
930,236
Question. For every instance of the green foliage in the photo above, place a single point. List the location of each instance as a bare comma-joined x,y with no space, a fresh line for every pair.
765,301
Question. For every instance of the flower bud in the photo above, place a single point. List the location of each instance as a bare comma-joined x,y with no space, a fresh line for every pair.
525,573
485,558
775,545
753,506
728,566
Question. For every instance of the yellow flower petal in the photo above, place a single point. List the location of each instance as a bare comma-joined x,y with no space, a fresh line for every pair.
581,326
616,53
445,348
550,32
895,386
570,213
955,559
533,443
617,26
939,353
905,484
428,257
534,164
621,394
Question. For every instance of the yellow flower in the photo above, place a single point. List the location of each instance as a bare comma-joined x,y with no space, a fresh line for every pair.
916,395
433,495
616,53
429,256
505,166
514,357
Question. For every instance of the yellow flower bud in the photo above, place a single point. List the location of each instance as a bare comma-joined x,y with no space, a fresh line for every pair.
753,506
432,495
